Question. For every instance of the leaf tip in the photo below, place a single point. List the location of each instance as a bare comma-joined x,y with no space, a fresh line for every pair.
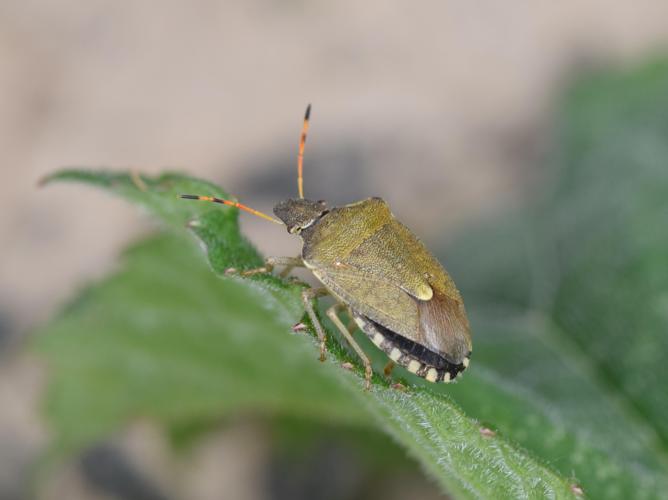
44,180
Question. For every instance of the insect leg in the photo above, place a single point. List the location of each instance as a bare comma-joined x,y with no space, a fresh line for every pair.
352,326
307,296
332,314
288,263
388,368
269,264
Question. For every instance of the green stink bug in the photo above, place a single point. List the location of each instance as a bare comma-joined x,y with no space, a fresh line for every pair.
393,287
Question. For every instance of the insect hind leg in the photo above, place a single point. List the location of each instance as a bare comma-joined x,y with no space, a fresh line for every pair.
368,372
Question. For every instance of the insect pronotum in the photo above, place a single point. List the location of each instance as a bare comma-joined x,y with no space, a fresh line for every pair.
392,286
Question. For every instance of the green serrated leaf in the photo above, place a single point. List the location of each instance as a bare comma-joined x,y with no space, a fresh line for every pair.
167,339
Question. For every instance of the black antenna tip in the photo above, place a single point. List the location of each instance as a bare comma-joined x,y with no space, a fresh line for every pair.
308,112
189,196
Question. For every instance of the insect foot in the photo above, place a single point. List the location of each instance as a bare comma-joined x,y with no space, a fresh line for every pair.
368,373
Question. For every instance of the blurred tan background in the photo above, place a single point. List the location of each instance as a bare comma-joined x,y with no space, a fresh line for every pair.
442,108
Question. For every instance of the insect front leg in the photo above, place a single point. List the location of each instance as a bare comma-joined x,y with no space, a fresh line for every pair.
269,264
288,263
307,296
368,372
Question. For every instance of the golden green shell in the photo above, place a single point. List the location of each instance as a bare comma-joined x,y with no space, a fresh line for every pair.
370,261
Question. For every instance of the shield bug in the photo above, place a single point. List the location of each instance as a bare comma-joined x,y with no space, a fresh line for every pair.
392,286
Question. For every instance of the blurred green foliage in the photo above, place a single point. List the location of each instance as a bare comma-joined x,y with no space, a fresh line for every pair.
571,304
568,300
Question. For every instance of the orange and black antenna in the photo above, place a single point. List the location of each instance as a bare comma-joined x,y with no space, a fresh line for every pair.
300,158
231,204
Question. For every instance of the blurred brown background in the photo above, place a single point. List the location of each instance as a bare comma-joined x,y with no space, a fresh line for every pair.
442,108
